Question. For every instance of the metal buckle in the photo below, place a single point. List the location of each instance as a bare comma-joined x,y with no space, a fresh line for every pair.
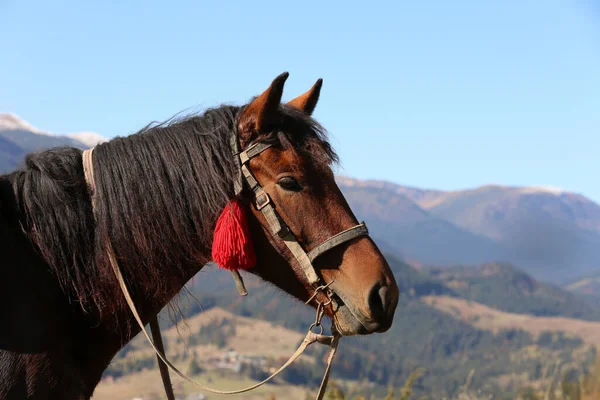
260,204
323,288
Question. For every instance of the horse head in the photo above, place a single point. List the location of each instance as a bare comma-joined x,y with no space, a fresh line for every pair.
295,172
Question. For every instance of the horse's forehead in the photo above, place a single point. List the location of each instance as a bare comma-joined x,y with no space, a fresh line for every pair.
291,159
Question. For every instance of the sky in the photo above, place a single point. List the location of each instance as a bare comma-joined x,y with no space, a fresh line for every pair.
434,94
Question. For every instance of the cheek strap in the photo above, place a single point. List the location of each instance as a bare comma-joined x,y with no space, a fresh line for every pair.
279,228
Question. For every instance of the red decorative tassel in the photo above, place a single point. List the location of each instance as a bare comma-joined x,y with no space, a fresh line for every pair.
232,245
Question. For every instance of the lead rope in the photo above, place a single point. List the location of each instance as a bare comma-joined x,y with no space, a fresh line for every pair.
310,338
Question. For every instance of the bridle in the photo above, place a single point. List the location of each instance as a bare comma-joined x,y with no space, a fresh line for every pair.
279,228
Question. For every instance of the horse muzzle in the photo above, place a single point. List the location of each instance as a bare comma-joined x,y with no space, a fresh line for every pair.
376,316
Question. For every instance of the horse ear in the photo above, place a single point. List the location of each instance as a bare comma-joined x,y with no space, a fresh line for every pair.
262,112
308,101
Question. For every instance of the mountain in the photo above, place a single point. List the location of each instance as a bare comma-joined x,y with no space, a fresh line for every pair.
413,232
543,227
18,137
493,203
10,154
551,233
589,285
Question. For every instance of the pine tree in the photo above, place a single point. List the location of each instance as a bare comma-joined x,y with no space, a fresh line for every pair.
194,368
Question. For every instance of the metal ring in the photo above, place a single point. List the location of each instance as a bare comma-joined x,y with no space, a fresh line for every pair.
316,292
327,303
314,325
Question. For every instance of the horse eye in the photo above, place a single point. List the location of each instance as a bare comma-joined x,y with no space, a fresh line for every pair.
289,183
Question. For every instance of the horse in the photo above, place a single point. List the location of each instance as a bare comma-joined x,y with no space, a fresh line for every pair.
157,196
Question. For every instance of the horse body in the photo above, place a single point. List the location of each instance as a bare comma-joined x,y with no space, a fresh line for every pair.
42,340
51,345
157,196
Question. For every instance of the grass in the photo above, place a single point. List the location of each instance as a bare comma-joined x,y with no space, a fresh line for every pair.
148,385
559,387
251,337
484,317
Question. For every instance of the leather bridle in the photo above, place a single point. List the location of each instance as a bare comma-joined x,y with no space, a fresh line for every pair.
278,228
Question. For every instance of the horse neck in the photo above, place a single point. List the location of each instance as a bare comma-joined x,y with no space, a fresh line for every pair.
157,200
101,343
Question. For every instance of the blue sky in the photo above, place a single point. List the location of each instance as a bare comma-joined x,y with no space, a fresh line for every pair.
444,95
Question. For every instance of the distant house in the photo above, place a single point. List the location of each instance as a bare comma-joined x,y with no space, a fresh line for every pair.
234,361
195,396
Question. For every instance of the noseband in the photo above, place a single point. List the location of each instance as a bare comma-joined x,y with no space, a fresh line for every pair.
278,228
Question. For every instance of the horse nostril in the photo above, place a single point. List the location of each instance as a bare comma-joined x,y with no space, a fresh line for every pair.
378,301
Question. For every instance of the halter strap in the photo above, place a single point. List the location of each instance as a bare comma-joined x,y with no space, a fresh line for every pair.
264,204
340,238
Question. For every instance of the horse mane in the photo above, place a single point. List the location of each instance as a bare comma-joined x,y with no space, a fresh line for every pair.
158,194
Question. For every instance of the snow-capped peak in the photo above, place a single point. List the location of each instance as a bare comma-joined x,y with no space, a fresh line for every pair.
88,138
542,189
10,121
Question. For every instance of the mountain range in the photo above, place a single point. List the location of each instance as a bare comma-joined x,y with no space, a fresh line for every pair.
18,137
552,234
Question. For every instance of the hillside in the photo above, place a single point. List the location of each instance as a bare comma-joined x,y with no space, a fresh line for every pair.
494,208
587,289
416,232
10,154
541,227
587,285
198,349
448,346
488,318
425,334
554,235
507,288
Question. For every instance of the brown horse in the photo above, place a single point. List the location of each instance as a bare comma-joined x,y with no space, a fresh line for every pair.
158,194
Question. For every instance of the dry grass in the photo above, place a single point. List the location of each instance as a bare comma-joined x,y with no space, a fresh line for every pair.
484,317
252,337
148,385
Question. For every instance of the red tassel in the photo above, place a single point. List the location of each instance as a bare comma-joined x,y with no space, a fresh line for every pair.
232,245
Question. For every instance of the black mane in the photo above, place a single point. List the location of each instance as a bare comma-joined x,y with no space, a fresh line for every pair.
158,195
